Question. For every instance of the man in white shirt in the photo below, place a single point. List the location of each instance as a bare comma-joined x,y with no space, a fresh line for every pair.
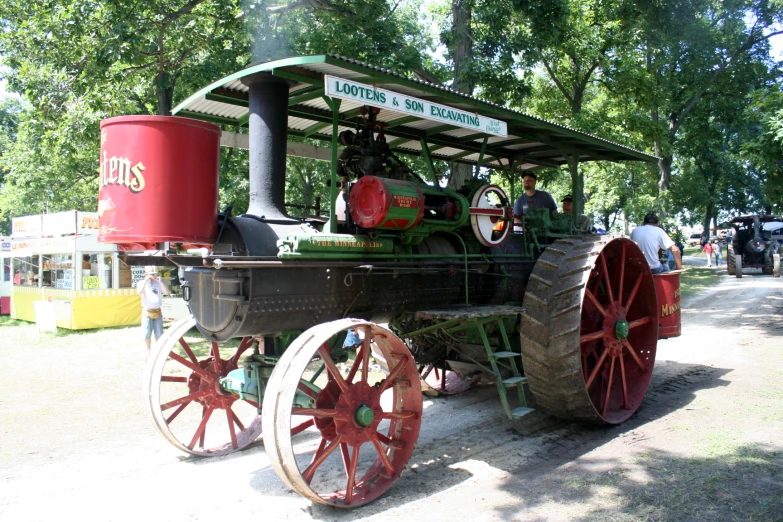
651,238
151,289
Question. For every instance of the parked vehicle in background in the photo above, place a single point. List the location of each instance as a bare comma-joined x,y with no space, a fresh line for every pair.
752,245
775,229
693,240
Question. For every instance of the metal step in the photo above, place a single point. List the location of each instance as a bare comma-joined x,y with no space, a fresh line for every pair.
517,413
505,355
513,381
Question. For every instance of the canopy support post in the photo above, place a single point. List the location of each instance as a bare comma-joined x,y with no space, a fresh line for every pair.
577,184
512,163
481,154
425,149
334,104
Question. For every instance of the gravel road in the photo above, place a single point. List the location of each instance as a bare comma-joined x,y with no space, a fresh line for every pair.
705,445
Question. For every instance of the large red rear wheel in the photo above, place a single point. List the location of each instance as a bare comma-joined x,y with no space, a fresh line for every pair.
185,399
363,421
589,329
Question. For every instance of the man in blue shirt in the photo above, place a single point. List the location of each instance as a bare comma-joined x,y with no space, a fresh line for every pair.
532,198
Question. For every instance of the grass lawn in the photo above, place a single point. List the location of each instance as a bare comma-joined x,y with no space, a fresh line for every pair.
696,279
5,320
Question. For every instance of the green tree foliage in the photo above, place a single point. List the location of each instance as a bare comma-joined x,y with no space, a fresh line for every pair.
689,50
690,80
763,150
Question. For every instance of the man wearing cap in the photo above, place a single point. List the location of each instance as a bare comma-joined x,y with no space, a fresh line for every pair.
532,198
582,221
151,289
651,238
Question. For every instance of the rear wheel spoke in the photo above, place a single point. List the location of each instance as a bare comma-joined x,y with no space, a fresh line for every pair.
607,280
622,277
303,426
202,428
197,369
393,375
173,416
600,334
332,368
216,354
635,356
231,429
236,419
352,474
366,354
184,400
315,412
320,457
639,322
635,289
595,302
596,369
382,454
609,387
188,351
244,344
172,378
625,386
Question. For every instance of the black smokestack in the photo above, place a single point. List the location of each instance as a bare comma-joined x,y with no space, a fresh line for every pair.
268,126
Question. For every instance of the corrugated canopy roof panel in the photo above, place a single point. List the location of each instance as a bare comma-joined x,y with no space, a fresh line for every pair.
530,142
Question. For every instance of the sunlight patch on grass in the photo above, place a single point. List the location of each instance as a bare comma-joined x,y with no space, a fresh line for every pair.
695,280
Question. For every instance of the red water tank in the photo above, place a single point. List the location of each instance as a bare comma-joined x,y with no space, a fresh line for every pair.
158,181
667,290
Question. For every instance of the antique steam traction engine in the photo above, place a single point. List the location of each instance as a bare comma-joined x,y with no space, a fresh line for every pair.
273,297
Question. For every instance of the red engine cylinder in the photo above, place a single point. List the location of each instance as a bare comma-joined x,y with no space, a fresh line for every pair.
386,203
158,181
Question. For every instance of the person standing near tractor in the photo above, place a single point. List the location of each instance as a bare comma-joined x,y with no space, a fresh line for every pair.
532,198
651,238
708,251
151,289
716,248
582,221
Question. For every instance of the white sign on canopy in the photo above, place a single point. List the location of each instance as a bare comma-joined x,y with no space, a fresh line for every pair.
382,98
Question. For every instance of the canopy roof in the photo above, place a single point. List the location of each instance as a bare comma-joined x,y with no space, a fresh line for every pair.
529,142
749,219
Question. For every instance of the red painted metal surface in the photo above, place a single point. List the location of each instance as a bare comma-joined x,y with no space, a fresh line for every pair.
330,471
386,203
617,366
159,181
667,289
5,305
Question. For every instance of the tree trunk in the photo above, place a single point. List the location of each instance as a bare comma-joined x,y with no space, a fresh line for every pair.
707,219
462,52
164,89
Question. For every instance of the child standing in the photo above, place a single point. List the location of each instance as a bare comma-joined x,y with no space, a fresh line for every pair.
708,251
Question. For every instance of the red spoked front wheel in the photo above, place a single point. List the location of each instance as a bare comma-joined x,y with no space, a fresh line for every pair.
182,382
364,421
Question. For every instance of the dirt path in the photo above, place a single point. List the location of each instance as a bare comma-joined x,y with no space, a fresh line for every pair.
75,440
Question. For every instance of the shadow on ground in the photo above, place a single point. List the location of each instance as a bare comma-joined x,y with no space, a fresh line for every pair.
529,449
660,485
